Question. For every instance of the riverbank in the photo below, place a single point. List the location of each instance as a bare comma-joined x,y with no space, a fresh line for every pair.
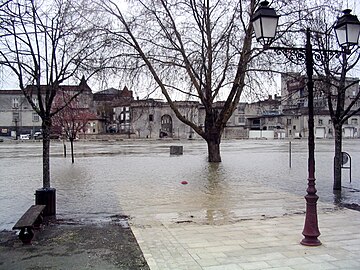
68,244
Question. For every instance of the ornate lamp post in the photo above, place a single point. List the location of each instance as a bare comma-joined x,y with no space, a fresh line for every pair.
347,31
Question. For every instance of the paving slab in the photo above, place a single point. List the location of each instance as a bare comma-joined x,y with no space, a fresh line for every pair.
256,238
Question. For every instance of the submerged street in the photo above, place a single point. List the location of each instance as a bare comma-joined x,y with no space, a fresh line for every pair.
142,180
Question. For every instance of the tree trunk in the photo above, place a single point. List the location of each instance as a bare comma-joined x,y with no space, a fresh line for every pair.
337,157
214,150
72,150
64,148
212,136
46,127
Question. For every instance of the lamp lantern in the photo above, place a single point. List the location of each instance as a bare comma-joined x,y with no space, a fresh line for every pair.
347,30
265,21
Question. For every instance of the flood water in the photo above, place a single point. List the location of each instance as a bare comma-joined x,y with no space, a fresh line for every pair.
113,177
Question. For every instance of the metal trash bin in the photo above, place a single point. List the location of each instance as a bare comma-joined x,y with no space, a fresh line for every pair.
46,196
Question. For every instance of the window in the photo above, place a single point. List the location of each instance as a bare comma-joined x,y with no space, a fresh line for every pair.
320,122
241,119
294,127
127,116
15,103
256,122
16,117
127,109
288,121
241,107
35,117
330,122
354,121
151,117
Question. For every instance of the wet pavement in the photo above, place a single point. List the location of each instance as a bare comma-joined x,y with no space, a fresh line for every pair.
68,244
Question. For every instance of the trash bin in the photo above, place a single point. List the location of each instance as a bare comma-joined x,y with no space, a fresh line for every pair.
46,196
176,150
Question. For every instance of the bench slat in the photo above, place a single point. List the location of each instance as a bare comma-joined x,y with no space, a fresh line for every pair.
30,216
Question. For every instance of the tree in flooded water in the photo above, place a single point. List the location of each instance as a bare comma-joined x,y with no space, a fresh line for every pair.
73,119
338,84
198,49
343,95
45,44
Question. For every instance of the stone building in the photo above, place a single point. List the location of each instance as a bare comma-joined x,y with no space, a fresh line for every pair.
117,112
152,118
17,116
105,103
295,108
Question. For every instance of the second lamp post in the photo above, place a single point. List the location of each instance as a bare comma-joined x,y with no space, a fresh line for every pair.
347,29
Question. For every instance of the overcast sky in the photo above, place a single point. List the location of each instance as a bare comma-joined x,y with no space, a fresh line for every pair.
7,80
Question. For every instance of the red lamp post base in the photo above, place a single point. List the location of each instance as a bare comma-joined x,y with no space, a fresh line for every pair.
310,241
311,230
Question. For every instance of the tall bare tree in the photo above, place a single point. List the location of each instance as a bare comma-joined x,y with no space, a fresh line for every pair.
197,49
337,79
44,44
333,68
341,90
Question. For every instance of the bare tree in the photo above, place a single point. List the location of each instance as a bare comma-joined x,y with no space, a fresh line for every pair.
341,92
333,67
197,49
44,44
73,118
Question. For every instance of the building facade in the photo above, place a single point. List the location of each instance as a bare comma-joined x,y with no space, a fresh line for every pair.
295,108
152,118
17,115
116,111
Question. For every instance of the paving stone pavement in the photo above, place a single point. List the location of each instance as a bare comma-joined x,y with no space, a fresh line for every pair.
252,240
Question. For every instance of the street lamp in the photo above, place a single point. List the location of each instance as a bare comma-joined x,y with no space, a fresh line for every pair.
347,32
265,21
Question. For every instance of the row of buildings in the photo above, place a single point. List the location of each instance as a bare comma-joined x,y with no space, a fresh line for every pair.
117,111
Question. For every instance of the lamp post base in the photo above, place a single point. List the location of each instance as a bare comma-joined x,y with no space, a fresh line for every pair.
311,230
47,196
310,241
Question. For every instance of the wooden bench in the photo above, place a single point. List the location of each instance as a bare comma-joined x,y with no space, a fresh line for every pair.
30,220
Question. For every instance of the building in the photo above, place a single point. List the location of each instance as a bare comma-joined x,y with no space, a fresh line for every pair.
152,118
18,117
295,108
105,103
116,111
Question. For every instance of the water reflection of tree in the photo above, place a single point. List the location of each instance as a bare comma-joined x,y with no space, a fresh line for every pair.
216,193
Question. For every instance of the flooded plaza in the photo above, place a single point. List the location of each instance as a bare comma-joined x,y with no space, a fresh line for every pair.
141,179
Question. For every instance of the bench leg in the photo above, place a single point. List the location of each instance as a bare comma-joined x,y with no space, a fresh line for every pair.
38,222
26,235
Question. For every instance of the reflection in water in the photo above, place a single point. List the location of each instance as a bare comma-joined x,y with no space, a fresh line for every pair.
216,190
141,179
337,197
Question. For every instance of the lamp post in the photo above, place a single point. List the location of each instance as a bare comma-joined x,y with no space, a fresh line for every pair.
347,30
